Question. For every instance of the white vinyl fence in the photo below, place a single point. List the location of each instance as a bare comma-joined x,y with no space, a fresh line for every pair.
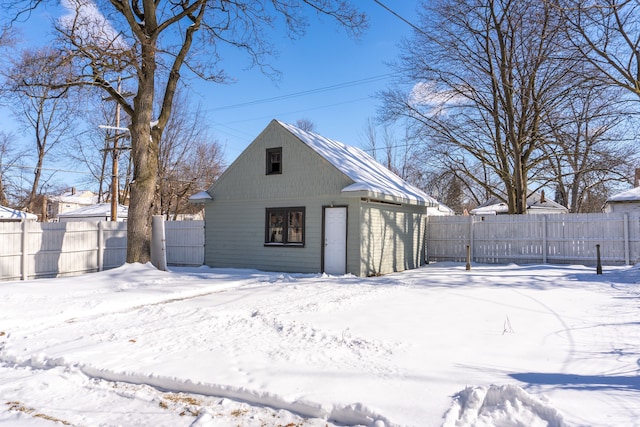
556,239
31,250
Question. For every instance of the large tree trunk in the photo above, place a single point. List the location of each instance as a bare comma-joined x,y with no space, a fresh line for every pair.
144,152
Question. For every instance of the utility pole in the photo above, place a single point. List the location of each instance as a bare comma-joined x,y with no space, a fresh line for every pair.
115,184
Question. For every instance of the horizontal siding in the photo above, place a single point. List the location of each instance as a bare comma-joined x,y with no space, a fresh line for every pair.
236,215
392,238
305,174
235,234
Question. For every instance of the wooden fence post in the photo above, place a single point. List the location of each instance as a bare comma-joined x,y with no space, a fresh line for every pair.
598,263
468,266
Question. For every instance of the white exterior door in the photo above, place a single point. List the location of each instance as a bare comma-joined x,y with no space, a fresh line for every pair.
335,240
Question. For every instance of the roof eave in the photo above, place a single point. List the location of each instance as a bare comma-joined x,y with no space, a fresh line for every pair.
388,198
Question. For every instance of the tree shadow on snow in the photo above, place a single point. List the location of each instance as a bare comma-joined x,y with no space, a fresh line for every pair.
581,382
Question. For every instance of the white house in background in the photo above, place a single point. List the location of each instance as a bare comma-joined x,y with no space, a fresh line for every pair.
537,203
98,212
70,201
440,210
625,202
9,214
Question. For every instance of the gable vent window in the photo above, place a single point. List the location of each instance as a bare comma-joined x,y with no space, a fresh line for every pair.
284,226
274,161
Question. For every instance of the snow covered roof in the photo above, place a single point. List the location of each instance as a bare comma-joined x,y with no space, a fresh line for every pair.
200,197
632,195
440,210
80,197
98,210
9,213
368,175
536,203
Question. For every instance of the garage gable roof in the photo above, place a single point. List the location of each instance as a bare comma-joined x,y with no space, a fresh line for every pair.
367,174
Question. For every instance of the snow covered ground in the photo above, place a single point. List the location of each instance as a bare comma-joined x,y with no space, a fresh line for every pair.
497,345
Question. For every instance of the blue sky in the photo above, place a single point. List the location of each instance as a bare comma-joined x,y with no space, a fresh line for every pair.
326,77
325,58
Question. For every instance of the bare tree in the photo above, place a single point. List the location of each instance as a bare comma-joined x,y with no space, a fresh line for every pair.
606,33
42,105
305,124
156,41
198,170
483,77
589,149
395,153
9,156
95,148
190,160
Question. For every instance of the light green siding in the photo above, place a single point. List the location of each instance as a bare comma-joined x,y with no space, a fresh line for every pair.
236,230
235,217
391,237
304,173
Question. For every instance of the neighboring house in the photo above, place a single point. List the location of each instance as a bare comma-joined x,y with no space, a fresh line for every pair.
440,210
295,201
625,202
9,214
98,212
69,201
537,203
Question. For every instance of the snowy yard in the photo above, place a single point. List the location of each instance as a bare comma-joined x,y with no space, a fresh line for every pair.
497,345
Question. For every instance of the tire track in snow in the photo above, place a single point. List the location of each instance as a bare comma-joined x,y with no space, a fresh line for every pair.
267,329
340,414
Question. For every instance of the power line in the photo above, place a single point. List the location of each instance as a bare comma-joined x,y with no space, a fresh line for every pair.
10,165
335,104
306,92
397,15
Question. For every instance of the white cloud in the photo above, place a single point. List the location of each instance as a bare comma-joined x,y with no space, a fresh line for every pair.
87,21
427,94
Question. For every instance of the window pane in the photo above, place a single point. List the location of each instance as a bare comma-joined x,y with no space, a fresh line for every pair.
275,227
295,227
274,160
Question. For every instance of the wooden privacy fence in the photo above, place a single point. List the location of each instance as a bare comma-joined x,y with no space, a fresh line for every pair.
31,250
556,238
